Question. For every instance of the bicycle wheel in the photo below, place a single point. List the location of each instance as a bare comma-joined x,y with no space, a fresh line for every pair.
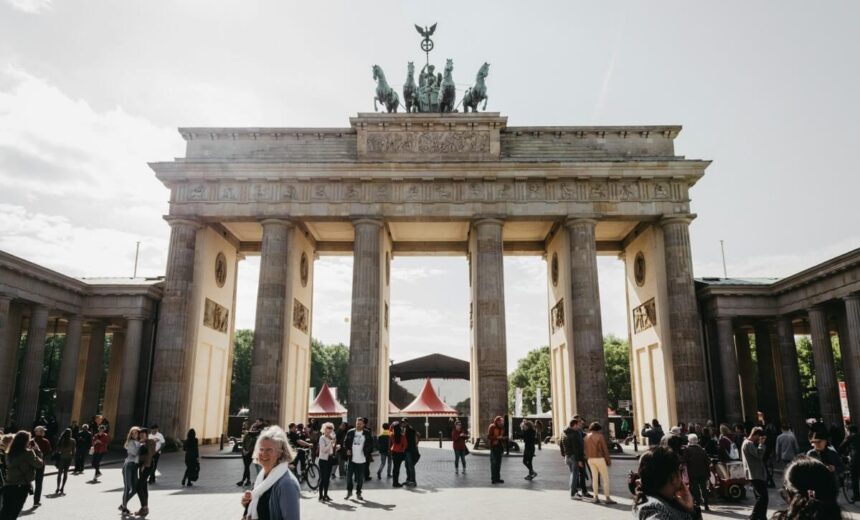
847,492
313,476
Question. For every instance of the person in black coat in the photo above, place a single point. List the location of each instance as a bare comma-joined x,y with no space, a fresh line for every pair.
529,442
359,445
192,458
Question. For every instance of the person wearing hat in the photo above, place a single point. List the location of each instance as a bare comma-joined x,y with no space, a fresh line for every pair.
753,456
822,452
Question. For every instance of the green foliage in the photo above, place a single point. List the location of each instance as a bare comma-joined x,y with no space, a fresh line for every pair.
330,365
464,407
532,372
617,355
240,386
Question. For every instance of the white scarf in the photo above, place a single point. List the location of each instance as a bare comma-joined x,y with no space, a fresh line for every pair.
262,484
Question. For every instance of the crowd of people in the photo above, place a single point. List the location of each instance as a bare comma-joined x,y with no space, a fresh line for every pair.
673,474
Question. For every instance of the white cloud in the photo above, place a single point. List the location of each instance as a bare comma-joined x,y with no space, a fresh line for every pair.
31,6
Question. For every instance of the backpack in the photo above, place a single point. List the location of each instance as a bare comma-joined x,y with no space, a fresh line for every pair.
733,452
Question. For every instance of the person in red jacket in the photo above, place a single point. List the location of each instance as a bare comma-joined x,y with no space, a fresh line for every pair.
100,447
497,439
459,436
397,447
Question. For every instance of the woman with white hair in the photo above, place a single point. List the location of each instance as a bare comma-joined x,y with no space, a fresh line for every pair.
276,491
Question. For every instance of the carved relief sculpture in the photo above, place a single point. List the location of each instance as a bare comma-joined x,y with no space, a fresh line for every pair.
428,142
303,269
220,270
556,316
301,316
644,316
215,316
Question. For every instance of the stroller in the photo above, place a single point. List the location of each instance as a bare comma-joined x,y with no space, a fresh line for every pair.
727,481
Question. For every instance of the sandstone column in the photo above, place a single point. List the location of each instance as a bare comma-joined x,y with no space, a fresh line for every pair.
94,372
791,378
364,338
850,345
69,370
749,396
489,344
125,409
10,336
268,364
825,371
585,321
113,379
31,373
766,372
691,392
731,381
168,398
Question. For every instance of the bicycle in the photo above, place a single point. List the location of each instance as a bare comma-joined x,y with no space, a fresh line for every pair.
847,482
310,471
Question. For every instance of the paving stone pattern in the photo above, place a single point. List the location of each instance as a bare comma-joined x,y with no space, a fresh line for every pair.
440,493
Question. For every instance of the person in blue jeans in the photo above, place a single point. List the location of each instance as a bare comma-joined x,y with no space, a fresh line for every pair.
384,458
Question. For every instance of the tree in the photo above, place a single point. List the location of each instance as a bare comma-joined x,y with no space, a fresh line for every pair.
240,386
616,352
532,372
330,365
806,366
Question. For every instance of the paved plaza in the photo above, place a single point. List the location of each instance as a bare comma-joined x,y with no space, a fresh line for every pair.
440,494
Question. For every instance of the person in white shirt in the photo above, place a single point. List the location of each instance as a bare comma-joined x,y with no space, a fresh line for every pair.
358,447
326,459
155,435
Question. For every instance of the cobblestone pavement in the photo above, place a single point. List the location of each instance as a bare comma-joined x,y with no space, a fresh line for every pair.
440,494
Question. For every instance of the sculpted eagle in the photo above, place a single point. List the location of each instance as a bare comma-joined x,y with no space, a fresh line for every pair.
425,32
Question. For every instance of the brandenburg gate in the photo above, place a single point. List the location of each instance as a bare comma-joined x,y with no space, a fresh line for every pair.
426,184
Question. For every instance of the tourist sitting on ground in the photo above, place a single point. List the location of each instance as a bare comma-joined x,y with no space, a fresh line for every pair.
809,492
23,459
597,456
662,494
276,491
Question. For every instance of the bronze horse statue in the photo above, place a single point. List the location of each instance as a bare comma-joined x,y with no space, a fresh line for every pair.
449,90
384,93
478,93
410,90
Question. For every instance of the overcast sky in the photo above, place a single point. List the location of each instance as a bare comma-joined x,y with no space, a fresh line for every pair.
91,91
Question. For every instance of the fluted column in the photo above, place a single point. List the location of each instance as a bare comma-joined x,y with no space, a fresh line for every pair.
364,338
766,372
267,364
791,377
69,370
94,371
125,408
10,329
825,371
749,396
168,402
586,323
688,360
729,367
31,373
851,353
489,341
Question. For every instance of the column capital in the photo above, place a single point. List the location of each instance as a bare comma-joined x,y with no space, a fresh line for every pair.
680,218
182,221
368,221
850,297
482,221
277,222
724,319
135,317
5,297
574,220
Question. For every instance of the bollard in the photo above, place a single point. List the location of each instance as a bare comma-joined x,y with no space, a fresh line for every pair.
440,438
636,443
222,442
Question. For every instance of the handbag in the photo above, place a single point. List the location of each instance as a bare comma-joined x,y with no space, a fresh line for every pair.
466,451
92,450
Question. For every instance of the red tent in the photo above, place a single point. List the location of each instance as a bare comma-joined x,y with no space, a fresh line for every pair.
325,405
428,403
393,409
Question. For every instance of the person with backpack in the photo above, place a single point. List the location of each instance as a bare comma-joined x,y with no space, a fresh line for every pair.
23,458
574,455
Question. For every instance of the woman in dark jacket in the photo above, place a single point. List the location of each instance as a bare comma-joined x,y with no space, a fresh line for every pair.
23,458
398,445
529,441
192,458
65,453
662,494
